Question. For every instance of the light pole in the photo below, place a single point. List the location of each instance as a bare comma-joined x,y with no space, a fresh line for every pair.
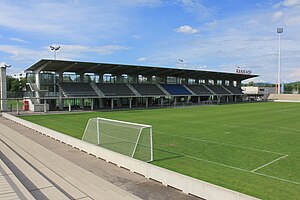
54,49
279,31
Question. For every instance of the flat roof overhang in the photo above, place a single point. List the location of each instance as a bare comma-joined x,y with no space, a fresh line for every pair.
78,67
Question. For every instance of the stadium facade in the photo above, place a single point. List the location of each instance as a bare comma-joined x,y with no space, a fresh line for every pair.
58,84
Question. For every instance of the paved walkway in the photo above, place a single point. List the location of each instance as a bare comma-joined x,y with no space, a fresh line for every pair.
62,171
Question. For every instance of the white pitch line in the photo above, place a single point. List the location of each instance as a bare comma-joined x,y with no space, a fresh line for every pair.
274,177
216,163
270,163
221,143
228,166
244,170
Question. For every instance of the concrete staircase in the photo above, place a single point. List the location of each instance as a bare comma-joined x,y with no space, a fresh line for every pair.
97,90
163,89
42,174
226,89
133,90
188,89
209,90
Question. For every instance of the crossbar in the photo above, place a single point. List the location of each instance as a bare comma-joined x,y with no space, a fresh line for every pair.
123,122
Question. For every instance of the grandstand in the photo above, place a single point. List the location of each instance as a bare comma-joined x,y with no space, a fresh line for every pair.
59,84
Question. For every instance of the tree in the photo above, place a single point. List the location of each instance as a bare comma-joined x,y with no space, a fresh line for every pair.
14,87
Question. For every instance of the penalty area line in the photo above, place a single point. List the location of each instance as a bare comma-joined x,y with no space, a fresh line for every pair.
245,170
282,157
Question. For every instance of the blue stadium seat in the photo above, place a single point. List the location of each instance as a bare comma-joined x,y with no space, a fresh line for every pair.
176,89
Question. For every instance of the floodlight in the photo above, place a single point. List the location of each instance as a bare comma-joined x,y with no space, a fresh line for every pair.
54,49
279,30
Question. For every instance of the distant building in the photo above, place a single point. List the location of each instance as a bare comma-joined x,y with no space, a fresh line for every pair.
257,93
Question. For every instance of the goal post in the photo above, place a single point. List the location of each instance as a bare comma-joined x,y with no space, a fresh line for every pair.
127,138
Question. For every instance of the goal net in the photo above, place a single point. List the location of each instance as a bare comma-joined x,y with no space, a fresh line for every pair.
130,139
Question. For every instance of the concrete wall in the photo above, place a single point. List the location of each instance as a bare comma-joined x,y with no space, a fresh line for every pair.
186,184
285,97
37,107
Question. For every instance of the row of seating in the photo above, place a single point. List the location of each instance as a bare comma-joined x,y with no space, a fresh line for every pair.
131,90
115,89
148,89
218,89
77,89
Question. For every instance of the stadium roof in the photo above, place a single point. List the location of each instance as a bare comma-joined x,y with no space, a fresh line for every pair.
119,69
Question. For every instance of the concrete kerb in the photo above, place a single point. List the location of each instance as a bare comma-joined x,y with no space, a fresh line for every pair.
166,177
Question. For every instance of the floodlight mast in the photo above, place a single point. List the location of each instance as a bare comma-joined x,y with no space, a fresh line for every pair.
54,49
279,31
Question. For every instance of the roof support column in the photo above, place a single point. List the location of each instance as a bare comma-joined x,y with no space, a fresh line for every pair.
101,103
100,78
135,79
119,104
112,103
186,81
92,104
3,89
149,79
130,103
60,95
147,102
81,103
81,77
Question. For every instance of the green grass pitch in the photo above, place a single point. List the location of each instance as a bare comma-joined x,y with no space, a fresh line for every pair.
251,148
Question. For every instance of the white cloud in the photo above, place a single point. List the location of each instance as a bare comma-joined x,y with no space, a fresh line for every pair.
197,8
137,37
245,40
277,15
186,29
142,59
294,73
291,3
18,40
18,53
108,49
55,19
143,3
212,24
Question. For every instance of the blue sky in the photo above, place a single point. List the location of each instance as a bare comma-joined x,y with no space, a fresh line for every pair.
207,34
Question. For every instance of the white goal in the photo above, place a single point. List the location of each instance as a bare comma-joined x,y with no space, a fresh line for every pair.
130,139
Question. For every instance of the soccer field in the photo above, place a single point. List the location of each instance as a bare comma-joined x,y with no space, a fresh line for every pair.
251,148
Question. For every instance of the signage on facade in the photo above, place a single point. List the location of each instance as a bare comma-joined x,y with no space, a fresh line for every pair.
239,70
